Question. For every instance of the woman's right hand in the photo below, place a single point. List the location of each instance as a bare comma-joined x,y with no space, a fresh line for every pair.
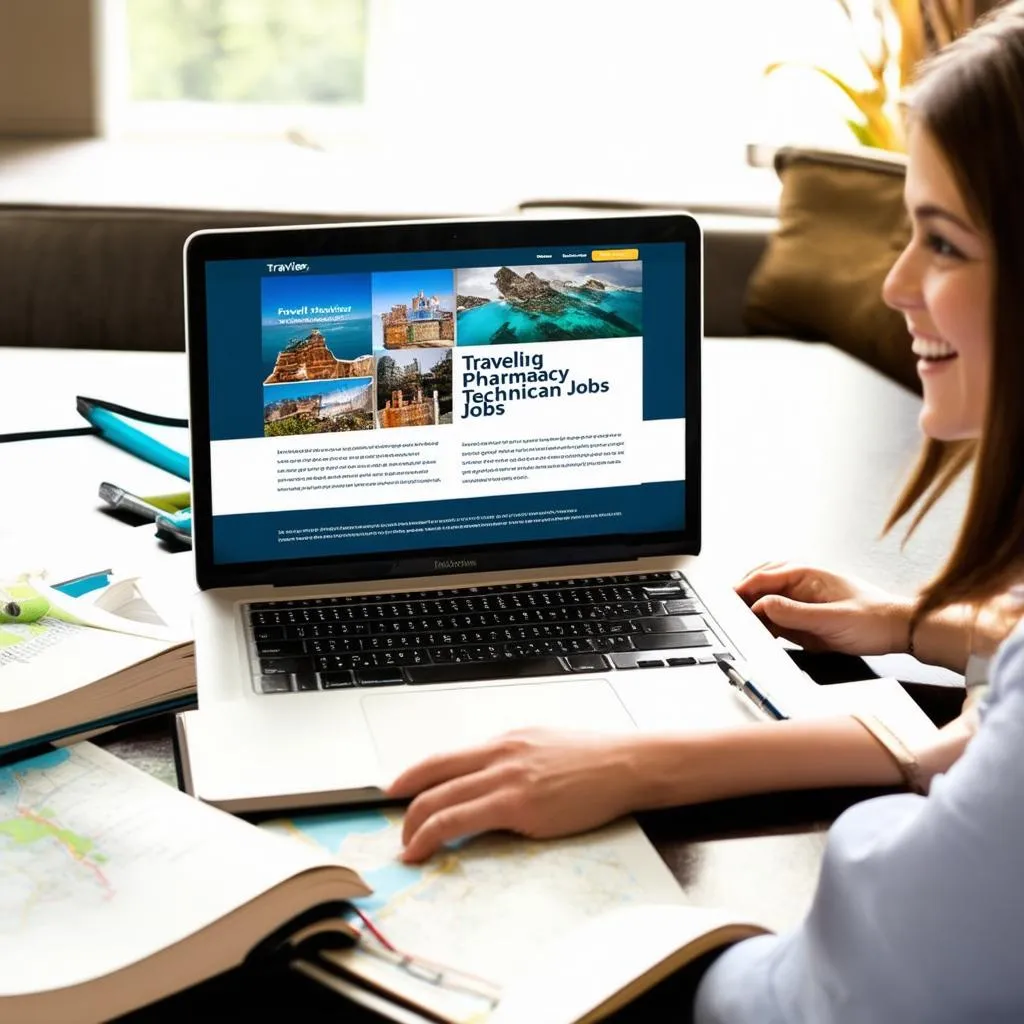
823,611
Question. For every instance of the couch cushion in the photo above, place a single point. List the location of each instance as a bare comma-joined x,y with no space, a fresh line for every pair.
842,225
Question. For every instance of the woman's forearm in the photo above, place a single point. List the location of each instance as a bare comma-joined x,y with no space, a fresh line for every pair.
669,771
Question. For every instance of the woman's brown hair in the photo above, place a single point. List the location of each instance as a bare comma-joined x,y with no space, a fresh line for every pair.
970,98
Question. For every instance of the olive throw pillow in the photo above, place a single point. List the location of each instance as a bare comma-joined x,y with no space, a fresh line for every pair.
842,225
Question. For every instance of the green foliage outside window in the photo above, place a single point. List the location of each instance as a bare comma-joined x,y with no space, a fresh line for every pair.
247,51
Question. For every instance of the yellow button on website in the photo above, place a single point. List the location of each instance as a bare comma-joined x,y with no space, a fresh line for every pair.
602,255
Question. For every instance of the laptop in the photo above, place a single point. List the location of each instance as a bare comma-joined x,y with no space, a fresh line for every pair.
446,483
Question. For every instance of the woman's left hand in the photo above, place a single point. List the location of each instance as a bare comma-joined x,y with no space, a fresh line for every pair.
535,782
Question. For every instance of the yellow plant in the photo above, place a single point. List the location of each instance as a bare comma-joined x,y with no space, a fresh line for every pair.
905,32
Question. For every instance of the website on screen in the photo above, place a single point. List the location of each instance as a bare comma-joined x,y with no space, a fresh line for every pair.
392,403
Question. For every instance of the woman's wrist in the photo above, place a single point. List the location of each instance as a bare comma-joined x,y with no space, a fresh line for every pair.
902,627
943,637
673,770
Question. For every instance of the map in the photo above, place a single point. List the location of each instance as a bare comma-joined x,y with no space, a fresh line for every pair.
45,864
102,865
485,905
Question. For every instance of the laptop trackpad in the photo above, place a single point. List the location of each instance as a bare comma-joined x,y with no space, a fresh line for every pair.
407,727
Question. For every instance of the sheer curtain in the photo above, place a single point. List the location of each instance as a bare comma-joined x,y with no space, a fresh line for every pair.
602,97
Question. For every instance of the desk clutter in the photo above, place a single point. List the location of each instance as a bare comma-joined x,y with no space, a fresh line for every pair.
117,890
159,443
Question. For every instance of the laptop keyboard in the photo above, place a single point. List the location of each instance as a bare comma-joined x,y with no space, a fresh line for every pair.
596,624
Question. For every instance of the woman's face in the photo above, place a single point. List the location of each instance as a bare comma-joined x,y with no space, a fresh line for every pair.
942,283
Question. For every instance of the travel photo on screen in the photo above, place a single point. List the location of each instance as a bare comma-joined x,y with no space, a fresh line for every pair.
315,327
414,388
413,309
559,302
320,407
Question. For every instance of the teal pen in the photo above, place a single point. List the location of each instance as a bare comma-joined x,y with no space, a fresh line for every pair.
139,443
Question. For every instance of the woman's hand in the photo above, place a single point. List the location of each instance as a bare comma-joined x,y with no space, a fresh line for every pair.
824,611
535,782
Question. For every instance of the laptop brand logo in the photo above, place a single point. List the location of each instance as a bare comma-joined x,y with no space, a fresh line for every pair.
291,267
455,563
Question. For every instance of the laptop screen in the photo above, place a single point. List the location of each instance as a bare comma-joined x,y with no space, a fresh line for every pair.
442,402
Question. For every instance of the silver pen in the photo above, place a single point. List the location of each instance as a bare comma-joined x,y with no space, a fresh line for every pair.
750,689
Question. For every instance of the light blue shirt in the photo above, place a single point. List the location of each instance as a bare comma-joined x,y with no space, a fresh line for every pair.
919,910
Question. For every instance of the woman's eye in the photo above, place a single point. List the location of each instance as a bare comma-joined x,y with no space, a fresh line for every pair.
940,246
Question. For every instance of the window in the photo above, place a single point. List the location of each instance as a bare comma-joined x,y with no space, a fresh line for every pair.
234,66
643,100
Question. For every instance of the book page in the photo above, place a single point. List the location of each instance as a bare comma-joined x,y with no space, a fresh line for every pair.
102,865
472,916
567,979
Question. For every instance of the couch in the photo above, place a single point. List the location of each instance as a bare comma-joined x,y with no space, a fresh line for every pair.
111,278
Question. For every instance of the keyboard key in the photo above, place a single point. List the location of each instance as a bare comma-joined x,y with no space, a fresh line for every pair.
681,607
625,659
587,663
337,680
682,661
274,684
666,641
279,648
306,681
379,677
485,671
650,663
261,633
671,624
283,666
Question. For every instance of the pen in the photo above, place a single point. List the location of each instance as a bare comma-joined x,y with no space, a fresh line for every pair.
133,440
750,689
146,507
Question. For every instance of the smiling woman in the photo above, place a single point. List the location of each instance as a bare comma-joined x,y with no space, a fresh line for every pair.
937,283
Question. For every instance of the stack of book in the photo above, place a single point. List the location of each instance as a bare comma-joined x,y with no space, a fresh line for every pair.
81,655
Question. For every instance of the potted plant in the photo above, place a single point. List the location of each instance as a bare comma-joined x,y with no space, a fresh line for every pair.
900,34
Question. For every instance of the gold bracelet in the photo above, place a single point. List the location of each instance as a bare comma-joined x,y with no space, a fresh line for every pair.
905,758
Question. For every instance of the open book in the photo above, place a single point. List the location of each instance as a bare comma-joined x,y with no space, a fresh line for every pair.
96,659
116,890
507,929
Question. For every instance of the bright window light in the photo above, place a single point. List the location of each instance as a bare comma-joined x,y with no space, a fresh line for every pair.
247,51
570,98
